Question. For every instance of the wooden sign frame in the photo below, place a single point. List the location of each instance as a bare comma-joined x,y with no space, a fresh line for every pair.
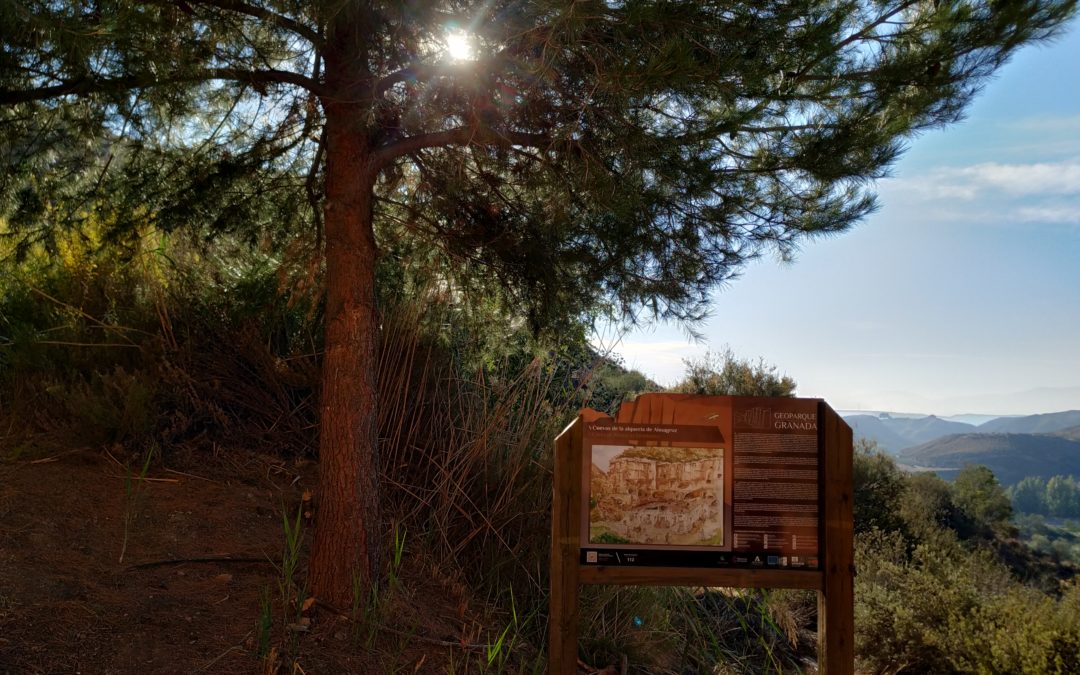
834,579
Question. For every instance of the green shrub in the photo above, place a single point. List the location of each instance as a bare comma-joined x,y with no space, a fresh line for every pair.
879,486
981,499
115,406
944,608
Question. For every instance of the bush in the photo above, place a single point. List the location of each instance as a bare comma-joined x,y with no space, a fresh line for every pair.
169,344
981,499
927,506
879,486
111,407
725,374
943,608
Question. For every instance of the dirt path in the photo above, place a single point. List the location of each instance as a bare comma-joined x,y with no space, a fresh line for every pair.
67,602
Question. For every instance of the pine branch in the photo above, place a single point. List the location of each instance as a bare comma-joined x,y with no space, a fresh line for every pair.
786,128
280,20
413,71
84,86
467,135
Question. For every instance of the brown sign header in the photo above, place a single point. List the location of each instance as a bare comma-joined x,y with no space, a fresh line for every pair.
607,428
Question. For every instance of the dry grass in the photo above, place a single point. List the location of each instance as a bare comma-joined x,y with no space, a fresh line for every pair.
466,460
466,468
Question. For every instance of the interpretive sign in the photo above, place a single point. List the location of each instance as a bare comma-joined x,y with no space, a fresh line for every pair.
740,490
678,489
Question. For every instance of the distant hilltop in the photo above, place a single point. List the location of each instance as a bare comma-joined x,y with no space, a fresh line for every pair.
973,419
1013,447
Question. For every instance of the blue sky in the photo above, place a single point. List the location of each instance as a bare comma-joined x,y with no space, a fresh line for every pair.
960,295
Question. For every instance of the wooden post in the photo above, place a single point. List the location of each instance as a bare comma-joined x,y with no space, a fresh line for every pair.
836,600
565,543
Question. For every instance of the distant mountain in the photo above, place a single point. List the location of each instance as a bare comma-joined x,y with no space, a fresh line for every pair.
928,428
1032,424
877,429
1010,456
896,433
974,420
878,413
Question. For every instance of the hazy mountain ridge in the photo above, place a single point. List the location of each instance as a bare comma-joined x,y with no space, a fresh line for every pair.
898,432
1071,432
1011,456
1047,423
876,429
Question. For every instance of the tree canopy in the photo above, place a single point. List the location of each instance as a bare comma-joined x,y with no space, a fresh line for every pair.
724,373
634,153
981,497
595,157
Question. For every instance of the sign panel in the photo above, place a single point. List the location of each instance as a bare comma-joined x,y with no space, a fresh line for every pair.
731,482
776,479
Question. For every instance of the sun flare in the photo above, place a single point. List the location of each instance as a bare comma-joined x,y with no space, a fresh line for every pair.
459,46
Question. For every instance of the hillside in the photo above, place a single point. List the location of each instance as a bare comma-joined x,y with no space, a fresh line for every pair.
897,433
926,429
1047,423
1071,432
876,429
1010,456
900,433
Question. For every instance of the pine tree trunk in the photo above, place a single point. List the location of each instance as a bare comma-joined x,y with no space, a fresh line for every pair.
347,529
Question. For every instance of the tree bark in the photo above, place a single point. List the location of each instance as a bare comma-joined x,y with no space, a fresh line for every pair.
345,551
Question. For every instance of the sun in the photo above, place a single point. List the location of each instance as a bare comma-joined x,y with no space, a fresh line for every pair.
459,46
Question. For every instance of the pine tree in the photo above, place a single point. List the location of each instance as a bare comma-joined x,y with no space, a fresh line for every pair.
590,156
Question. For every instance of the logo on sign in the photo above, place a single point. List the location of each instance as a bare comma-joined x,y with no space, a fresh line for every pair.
757,418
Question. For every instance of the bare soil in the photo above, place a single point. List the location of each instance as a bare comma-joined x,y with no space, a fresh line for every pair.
204,542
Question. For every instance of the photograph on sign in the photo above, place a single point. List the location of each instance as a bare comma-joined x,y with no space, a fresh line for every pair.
656,495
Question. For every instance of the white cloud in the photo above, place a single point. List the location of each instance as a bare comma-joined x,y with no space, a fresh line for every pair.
660,360
1056,214
993,179
1057,178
